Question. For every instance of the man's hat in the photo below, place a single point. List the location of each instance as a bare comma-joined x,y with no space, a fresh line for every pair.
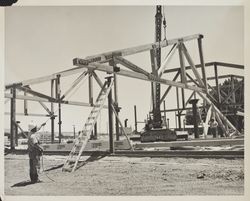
32,127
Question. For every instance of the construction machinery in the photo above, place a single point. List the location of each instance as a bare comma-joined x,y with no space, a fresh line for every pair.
154,130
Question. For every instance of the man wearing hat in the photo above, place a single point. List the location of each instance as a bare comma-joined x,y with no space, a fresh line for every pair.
35,151
213,127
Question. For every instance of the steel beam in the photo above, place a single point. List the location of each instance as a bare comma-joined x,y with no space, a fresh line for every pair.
167,60
191,63
232,92
13,133
90,79
52,118
38,99
204,77
58,97
169,87
105,57
237,66
152,78
74,84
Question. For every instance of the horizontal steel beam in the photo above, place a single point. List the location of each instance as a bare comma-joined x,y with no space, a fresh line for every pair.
45,78
37,99
29,114
207,65
104,57
126,73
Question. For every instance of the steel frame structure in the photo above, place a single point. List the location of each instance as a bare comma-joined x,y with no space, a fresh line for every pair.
108,62
219,97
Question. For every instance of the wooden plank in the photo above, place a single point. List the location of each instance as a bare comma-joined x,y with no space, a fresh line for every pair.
151,78
214,142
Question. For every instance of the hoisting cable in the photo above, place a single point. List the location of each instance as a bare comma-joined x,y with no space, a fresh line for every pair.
164,24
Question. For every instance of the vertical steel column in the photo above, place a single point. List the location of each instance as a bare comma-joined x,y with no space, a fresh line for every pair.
117,107
194,108
74,131
217,84
90,78
95,131
16,127
110,112
59,108
232,88
52,118
204,77
25,104
12,118
183,73
135,119
178,107
165,114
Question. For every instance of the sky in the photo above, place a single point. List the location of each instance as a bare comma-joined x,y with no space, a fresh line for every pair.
44,40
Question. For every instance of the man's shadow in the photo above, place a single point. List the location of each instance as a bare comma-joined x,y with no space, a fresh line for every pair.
22,183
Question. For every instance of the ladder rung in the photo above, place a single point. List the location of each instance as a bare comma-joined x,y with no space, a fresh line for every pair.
72,160
91,117
67,169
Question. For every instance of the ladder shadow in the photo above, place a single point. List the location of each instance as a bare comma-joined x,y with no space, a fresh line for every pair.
54,168
93,157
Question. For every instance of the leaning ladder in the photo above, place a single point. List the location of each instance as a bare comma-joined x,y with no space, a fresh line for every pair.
75,154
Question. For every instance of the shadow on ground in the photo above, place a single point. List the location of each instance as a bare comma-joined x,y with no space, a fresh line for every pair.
23,183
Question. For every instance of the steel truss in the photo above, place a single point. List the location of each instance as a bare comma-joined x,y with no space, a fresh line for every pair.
108,62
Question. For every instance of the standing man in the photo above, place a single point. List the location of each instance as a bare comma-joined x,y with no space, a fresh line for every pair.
35,151
213,127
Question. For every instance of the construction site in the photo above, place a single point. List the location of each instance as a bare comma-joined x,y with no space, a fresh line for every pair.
154,118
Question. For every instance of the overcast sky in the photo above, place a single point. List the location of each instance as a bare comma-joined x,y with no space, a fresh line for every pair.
44,40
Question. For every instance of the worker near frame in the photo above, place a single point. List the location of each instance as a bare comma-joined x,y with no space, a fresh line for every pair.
35,151
213,127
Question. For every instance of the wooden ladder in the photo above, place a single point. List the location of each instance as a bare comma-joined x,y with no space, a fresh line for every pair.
75,154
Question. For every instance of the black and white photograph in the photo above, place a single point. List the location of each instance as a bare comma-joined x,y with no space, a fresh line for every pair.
124,100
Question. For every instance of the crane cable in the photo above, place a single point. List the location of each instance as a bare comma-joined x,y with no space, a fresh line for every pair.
164,24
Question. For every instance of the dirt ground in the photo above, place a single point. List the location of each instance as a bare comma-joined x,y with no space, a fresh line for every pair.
128,176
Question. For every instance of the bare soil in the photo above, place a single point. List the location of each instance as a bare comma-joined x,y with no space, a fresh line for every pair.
128,176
